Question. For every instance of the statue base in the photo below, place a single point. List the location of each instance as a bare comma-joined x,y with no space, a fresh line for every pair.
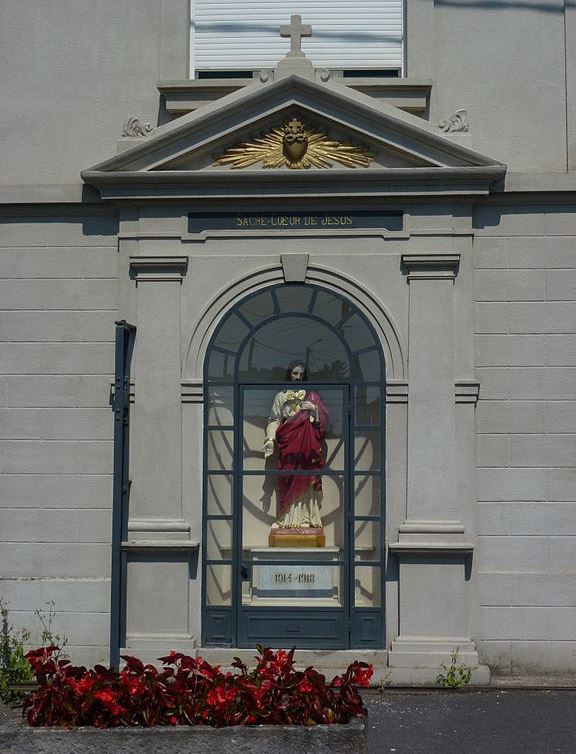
297,536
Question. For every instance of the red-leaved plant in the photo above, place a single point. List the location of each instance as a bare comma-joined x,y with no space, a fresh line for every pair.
190,691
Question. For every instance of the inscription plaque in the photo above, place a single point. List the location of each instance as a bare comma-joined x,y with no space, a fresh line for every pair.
294,581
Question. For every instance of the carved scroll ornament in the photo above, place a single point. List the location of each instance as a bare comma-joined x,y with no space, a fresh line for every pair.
294,145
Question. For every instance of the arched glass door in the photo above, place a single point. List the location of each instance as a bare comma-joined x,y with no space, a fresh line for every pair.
294,465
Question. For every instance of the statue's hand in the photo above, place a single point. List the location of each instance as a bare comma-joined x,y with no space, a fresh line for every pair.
308,405
268,448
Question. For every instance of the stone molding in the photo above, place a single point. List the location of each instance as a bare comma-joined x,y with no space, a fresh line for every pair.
160,268
294,267
160,545
467,391
192,391
431,266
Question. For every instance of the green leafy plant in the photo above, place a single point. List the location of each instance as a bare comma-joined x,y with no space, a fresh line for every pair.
456,675
14,667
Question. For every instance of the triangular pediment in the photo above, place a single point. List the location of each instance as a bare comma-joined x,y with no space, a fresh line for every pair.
289,133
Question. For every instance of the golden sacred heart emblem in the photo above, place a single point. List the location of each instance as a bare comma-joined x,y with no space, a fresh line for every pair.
295,142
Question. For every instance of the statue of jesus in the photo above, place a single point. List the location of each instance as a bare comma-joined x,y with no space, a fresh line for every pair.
296,426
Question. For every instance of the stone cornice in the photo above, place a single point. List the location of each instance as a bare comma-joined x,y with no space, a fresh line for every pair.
431,266
160,268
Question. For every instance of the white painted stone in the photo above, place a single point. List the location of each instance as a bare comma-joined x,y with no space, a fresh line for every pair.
510,350
490,253
495,589
561,284
562,622
63,391
77,424
537,383
541,252
562,554
71,490
41,263
549,657
542,317
493,450
36,525
494,383
58,294
561,416
527,416
493,518
544,589
79,595
492,417
544,518
20,424
512,554
561,484
511,484
58,457
101,262
520,622
561,350
496,654
491,317
542,450
70,560
509,285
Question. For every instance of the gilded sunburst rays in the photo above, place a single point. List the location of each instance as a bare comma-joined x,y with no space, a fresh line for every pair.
296,146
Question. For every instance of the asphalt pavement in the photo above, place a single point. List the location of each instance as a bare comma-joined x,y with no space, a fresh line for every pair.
492,721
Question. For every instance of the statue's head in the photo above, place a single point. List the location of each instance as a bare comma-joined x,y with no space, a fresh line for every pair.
296,372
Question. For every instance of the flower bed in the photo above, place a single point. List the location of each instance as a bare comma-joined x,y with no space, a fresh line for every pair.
189,691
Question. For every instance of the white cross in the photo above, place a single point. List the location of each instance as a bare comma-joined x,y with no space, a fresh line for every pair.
296,30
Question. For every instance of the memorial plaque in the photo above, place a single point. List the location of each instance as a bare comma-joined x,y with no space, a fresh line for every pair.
294,581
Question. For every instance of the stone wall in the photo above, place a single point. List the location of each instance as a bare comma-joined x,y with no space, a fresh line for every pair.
525,285
58,273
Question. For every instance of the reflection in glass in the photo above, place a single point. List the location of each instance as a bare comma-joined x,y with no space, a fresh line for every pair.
220,449
221,406
294,337
366,366
218,584
294,298
367,451
367,495
330,307
367,587
357,333
232,333
368,405
219,495
219,539
367,540
221,365
258,308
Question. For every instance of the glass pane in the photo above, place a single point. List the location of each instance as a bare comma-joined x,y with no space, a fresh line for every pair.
221,406
367,540
301,438
368,405
316,511
282,342
367,495
218,584
367,366
220,449
219,491
232,333
330,307
294,298
357,333
367,586
220,366
367,451
219,540
259,308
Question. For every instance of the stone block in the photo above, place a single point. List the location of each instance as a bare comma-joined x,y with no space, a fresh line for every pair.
561,350
20,424
20,490
561,285
57,358
544,589
560,416
514,623
561,484
560,221
562,555
63,560
58,457
495,589
510,350
495,485
527,416
543,657
101,262
512,554
37,326
492,417
494,383
491,317
544,253
496,654
490,253
509,285
58,294
77,491
510,220
97,325
57,391
41,263
78,595
493,450
562,622
543,383
543,450
543,518
38,525
542,317
90,230
77,424
15,231
493,518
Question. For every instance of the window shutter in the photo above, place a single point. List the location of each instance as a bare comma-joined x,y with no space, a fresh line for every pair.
231,35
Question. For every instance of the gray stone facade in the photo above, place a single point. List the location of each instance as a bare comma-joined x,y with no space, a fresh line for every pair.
474,303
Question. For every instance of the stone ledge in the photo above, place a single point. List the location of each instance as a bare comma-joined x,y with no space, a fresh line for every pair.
265,739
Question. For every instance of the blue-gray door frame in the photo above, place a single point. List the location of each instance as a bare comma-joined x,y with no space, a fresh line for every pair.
125,334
